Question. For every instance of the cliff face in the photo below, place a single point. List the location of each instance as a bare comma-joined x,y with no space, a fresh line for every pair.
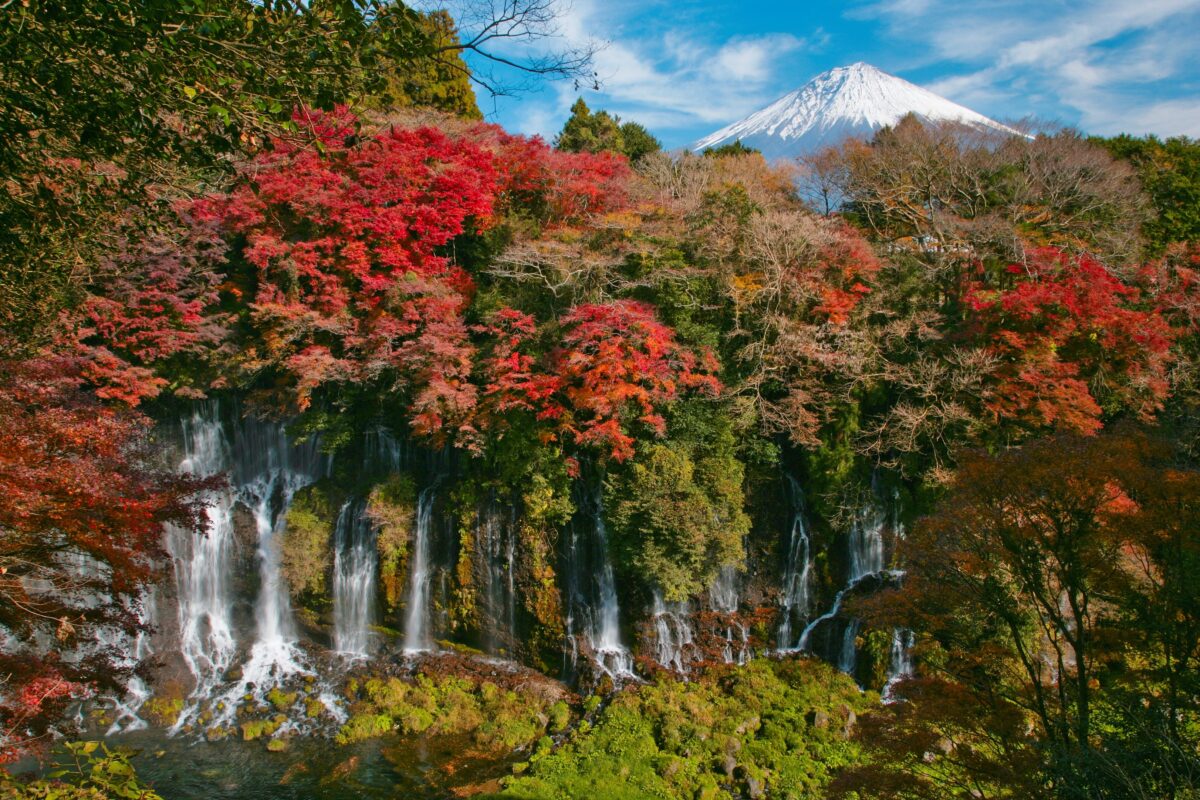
385,549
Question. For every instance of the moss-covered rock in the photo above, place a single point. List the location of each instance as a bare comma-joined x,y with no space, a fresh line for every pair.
741,734
392,506
313,707
164,708
281,700
306,551
260,728
497,719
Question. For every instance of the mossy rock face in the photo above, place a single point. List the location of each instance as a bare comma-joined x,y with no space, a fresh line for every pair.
313,708
541,597
306,550
392,506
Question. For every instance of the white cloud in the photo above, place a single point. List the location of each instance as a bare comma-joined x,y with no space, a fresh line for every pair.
1093,59
672,77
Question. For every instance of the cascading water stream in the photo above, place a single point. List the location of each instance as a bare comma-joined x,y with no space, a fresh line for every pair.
417,637
202,560
723,598
848,658
130,653
673,636
593,610
354,570
866,561
496,534
268,471
265,470
797,573
901,665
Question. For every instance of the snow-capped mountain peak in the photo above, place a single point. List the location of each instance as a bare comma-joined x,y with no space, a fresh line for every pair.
847,101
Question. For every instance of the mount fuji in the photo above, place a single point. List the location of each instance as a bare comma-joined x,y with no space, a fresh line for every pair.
853,101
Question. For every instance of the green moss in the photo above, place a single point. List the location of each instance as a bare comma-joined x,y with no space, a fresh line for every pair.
162,710
365,726
497,719
259,728
313,708
282,700
392,505
306,555
720,736
560,717
277,745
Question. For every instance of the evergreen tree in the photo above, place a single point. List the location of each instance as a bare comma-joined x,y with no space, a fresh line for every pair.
735,148
1170,174
439,79
585,132
638,141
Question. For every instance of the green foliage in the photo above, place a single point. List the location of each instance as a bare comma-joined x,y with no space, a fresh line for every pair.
497,719
85,771
104,103
1170,173
439,79
734,148
305,547
587,132
677,510
751,732
637,142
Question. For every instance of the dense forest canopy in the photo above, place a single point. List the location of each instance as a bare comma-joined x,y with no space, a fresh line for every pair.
299,207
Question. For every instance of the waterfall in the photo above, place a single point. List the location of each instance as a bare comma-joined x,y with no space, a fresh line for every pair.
129,655
264,471
203,560
723,598
268,471
496,537
866,559
803,643
354,570
383,453
901,666
866,538
673,637
417,638
797,569
593,611
848,658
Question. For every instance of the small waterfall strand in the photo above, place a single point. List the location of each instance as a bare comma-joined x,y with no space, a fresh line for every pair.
354,580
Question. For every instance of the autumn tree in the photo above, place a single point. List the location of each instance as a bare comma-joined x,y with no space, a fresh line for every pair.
82,503
111,111
1021,583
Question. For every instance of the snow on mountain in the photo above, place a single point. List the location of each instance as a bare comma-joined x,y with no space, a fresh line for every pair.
848,101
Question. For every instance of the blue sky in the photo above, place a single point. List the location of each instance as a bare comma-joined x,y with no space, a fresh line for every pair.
684,68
